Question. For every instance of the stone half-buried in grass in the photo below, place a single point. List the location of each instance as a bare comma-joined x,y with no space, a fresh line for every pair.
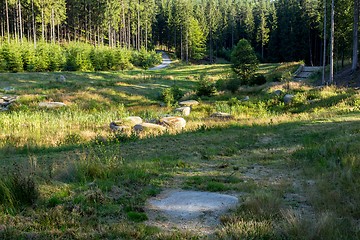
189,210
173,122
221,115
185,111
148,127
52,104
188,103
125,123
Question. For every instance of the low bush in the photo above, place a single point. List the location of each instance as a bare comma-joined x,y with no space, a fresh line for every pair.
205,87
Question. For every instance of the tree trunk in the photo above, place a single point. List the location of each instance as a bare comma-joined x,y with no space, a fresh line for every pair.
138,27
15,28
355,36
331,80
181,45
53,26
146,32
324,53
211,47
175,41
33,22
187,47
124,25
20,22
90,37
7,21
42,19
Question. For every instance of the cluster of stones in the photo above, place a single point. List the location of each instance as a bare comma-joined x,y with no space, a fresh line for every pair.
137,124
5,102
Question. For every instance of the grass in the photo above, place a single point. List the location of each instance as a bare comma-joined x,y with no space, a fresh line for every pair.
294,167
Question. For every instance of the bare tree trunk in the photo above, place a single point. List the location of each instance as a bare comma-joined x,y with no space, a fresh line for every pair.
15,28
20,22
187,47
7,21
90,22
324,53
181,44
146,32
211,47
33,22
331,80
129,31
124,27
355,36
53,26
138,27
42,19
175,40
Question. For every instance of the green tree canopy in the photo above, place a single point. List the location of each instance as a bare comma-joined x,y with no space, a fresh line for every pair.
244,61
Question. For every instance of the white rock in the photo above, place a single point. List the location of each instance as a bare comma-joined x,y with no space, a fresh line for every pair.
52,104
222,115
188,103
62,79
173,122
125,123
185,111
148,126
288,98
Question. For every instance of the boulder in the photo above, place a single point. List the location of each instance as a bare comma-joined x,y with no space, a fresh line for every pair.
185,111
52,104
116,127
245,99
125,123
9,89
288,98
62,79
188,103
222,115
278,92
148,126
173,122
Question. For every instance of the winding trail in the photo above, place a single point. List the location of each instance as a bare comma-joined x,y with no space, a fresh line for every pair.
165,63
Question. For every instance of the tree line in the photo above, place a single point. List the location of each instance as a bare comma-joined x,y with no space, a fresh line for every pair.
278,30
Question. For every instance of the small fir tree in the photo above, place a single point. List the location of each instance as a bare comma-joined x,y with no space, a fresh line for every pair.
244,61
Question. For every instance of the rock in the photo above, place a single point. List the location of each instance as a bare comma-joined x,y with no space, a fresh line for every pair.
125,123
9,99
148,126
222,115
185,111
310,101
62,79
173,122
52,104
162,105
115,127
188,103
318,87
245,99
9,89
278,92
288,98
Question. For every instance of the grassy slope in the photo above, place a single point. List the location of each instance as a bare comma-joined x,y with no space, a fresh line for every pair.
295,171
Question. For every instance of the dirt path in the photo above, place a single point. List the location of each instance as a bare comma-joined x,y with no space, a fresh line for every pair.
165,63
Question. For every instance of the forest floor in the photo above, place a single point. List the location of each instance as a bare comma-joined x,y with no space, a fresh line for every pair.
343,78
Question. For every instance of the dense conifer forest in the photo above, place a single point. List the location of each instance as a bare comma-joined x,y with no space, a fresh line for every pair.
279,30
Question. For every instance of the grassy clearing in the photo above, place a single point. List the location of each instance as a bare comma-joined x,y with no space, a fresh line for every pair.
294,167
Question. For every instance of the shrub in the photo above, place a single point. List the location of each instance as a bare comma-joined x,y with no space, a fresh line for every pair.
205,87
244,61
258,79
166,96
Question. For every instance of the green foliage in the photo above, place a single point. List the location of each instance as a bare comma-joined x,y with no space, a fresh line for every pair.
205,87
146,59
244,61
137,217
258,79
171,95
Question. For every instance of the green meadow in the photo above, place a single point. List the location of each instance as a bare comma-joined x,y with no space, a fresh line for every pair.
66,175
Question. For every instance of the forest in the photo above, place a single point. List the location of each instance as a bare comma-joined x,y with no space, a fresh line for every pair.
278,30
